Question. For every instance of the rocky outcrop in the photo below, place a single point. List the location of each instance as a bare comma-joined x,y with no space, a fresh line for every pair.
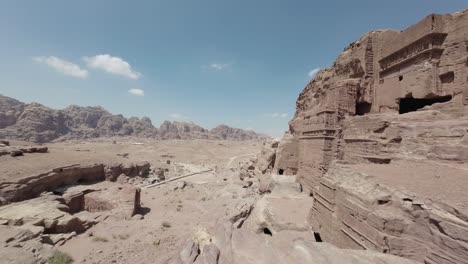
19,151
391,96
36,225
32,186
142,169
182,130
353,211
274,231
231,133
244,246
395,72
286,155
266,158
48,209
38,123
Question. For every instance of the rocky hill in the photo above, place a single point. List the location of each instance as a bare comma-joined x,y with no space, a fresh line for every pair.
38,123
380,140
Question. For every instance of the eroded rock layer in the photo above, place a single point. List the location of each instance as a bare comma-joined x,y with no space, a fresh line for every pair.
38,123
391,97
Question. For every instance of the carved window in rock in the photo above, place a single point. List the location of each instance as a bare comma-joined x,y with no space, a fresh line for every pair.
411,104
447,77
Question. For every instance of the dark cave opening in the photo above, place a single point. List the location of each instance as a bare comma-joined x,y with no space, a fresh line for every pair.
411,104
363,108
317,237
267,231
280,171
447,77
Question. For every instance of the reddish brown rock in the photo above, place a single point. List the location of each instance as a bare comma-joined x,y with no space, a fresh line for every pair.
391,96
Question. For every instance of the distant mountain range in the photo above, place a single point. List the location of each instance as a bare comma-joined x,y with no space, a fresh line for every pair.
38,123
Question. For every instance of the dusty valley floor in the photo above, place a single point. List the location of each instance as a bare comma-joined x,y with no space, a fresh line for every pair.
172,213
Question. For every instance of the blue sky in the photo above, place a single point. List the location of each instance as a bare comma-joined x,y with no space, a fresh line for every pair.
238,62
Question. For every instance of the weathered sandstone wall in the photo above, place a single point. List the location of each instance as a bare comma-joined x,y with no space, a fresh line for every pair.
390,96
352,211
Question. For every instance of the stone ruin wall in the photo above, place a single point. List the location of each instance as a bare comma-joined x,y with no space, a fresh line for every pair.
349,112
373,75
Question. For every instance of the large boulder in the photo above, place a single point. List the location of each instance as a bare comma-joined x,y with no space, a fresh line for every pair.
49,212
286,155
267,156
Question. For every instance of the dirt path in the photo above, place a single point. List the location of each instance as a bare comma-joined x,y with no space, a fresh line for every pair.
231,160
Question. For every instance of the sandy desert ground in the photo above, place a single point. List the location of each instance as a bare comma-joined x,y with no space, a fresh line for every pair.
173,212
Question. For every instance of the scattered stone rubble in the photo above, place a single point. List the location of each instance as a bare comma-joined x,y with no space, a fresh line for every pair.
45,210
6,149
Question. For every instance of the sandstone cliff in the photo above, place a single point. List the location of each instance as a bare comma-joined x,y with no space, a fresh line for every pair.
38,123
380,141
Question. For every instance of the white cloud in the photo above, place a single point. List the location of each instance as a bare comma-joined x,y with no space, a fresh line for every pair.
313,72
113,65
138,92
178,116
63,66
277,115
219,66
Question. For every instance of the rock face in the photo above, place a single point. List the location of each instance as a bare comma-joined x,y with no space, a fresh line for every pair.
230,133
391,95
38,123
182,130
352,211
46,210
286,156
386,71
32,186
274,231
267,157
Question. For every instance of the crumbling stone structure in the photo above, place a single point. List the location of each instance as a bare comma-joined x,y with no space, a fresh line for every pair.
383,71
383,99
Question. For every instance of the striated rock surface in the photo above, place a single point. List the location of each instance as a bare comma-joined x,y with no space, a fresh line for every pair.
38,123
379,140
275,231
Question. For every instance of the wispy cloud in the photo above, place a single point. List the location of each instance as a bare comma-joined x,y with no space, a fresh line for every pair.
63,66
219,66
112,65
178,116
313,72
138,92
277,115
